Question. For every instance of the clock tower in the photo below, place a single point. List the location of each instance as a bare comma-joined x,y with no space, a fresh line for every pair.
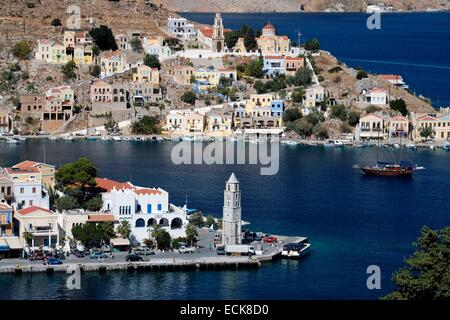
218,39
231,223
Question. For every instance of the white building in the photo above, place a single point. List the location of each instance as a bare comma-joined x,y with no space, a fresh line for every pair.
27,187
142,208
179,27
232,223
370,127
377,96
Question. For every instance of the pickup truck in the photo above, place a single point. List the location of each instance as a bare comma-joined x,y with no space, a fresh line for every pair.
239,249
184,249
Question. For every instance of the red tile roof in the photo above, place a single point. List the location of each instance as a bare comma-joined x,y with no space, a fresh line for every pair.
16,170
294,58
32,209
208,31
398,118
147,191
390,77
426,118
26,164
274,57
108,185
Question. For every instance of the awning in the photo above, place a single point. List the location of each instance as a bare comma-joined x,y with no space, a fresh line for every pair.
119,242
14,243
3,245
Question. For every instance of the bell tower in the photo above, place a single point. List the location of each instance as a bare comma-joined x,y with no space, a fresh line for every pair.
231,223
218,39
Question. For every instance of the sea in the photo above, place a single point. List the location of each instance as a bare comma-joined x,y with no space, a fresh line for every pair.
353,221
413,45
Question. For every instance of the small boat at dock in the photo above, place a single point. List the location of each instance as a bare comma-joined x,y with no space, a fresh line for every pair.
289,142
12,141
411,146
296,250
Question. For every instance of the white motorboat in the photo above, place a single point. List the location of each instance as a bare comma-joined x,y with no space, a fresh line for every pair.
396,146
68,138
186,138
411,146
338,143
104,138
117,139
289,142
22,139
12,141
296,250
52,138
432,147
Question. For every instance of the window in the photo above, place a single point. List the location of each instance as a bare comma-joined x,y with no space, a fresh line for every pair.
149,208
34,189
22,190
159,207
30,203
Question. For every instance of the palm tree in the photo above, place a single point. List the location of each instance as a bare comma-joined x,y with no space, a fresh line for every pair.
28,236
124,229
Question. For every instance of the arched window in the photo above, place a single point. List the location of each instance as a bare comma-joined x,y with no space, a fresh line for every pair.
140,223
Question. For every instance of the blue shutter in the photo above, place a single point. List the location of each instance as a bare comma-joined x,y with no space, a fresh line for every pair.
149,208
159,207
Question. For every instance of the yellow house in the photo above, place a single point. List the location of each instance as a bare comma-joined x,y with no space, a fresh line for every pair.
269,43
41,223
442,129
69,38
146,74
83,55
219,123
261,100
194,123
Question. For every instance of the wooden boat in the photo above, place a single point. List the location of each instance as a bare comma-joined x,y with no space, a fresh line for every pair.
389,169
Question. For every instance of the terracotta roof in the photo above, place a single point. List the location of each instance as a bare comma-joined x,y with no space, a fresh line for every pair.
111,54
147,191
16,170
377,90
108,185
44,41
426,118
398,118
32,209
372,114
390,77
26,164
269,27
208,31
101,218
294,58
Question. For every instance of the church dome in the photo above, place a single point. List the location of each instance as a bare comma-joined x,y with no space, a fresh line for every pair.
268,30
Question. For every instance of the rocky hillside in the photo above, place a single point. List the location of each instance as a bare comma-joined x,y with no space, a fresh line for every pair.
297,5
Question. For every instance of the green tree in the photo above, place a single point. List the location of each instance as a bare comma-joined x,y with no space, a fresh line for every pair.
320,131
372,109
315,117
69,70
339,111
353,118
291,115
254,69
196,219
56,22
312,45
426,132
152,61
303,127
191,233
231,38
77,176
66,203
94,234
124,228
111,125
95,72
189,97
210,221
147,125
94,204
28,236
161,236
103,38
302,77
399,105
22,50
361,74
136,44
298,94
426,275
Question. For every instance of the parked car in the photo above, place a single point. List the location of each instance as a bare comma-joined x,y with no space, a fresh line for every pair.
79,254
221,251
185,249
133,257
270,239
53,261
98,255
144,251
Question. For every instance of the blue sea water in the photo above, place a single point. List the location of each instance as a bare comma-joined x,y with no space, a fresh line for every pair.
415,45
353,221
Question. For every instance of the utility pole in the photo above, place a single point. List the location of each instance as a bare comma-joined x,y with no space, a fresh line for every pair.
299,35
